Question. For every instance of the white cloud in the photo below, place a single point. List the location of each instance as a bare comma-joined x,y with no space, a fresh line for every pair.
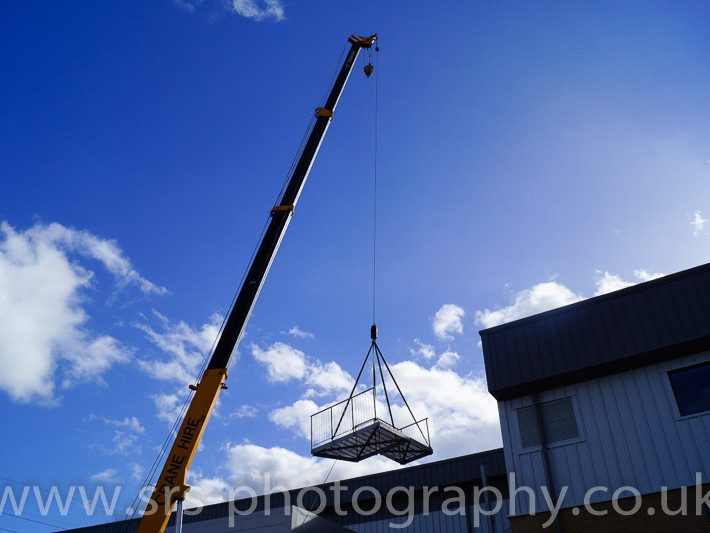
130,422
103,250
42,318
329,378
127,435
297,332
422,350
188,6
248,464
124,443
245,411
448,321
105,476
90,360
611,282
283,362
448,359
168,406
698,223
185,345
272,469
463,416
296,416
206,490
645,275
259,9
136,471
536,299
550,295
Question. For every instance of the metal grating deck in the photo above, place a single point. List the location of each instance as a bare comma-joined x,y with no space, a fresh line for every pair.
377,437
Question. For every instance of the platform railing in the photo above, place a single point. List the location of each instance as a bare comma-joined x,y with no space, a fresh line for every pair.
418,431
330,423
347,416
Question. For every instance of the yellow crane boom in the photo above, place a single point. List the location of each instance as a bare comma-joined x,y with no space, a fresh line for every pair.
171,485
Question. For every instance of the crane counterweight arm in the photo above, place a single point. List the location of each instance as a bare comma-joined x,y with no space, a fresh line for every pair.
171,485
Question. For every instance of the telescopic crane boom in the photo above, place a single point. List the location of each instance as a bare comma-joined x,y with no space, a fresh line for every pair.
171,486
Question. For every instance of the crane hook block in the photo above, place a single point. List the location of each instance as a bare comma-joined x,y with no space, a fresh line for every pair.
369,69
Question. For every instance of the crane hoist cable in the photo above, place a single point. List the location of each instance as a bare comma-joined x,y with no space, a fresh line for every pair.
374,178
343,437
368,69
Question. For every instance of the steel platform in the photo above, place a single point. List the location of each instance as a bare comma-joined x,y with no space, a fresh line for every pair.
376,437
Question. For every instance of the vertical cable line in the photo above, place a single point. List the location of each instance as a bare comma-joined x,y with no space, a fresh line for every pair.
374,252
374,194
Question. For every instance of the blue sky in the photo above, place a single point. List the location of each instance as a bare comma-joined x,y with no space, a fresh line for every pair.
530,154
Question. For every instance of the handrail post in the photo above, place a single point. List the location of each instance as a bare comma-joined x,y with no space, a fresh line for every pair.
374,399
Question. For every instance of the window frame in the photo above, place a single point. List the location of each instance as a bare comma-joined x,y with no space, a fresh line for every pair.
671,390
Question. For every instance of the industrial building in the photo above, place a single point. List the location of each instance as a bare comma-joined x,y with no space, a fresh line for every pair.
610,393
464,472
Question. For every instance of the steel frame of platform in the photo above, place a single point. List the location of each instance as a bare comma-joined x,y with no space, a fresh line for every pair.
378,437
369,435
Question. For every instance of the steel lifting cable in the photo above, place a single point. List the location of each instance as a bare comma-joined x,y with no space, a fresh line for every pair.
374,239
374,194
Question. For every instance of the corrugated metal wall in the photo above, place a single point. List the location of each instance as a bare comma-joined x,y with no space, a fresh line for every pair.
630,434
435,521
464,472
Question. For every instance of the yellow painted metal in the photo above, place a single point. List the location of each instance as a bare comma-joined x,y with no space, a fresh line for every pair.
172,483
365,42
279,208
323,112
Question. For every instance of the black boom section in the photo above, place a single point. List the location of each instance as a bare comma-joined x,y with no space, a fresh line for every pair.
281,215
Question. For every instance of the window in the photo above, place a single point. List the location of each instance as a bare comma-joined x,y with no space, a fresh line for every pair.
558,421
691,388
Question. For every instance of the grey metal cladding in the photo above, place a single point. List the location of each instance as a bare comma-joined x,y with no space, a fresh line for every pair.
647,323
559,422
528,427
464,470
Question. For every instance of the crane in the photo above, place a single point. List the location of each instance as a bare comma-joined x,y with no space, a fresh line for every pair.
171,485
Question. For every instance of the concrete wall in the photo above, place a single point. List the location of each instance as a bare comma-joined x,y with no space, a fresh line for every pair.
630,434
